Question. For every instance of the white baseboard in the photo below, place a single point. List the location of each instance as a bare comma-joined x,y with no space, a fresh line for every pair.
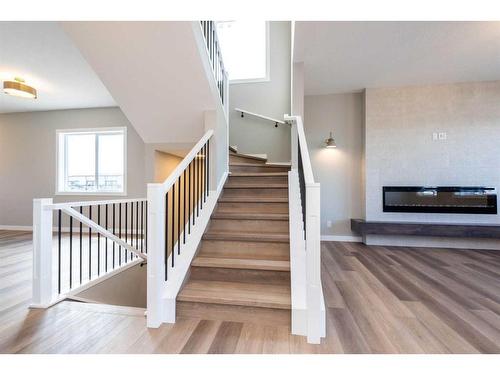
28,228
341,238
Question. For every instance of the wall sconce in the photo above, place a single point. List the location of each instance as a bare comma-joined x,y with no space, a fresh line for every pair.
330,142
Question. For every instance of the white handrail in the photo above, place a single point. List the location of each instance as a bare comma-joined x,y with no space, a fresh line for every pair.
304,151
260,116
63,205
172,178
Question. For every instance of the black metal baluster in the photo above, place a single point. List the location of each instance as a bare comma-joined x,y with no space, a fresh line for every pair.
81,243
137,225
208,167
114,233
142,226
205,173
173,223
120,233
198,197
59,252
184,207
189,196
166,235
146,228
131,228
196,181
70,251
126,230
106,239
90,245
202,182
98,241
179,215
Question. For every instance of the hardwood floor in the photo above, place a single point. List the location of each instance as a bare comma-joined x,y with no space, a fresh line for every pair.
379,300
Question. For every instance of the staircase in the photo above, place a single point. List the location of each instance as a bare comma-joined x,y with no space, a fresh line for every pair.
242,269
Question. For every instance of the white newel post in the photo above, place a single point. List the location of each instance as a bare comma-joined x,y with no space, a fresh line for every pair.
313,256
156,255
43,293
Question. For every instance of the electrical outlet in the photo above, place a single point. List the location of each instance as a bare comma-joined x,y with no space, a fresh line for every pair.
329,223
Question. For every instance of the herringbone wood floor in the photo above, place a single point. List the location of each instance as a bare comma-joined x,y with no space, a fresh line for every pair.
379,300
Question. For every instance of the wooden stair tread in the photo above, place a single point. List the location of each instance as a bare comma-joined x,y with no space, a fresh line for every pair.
257,185
239,263
233,164
247,236
235,293
249,216
258,174
243,199
251,157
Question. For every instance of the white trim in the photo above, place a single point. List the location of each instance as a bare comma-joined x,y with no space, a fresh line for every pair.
267,77
121,129
335,238
27,228
56,206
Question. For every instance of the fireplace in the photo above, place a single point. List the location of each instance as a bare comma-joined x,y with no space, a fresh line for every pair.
440,199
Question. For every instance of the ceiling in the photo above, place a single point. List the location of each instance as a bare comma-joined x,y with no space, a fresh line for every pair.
42,54
158,73
350,56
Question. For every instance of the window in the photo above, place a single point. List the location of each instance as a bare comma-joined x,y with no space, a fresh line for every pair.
91,161
245,50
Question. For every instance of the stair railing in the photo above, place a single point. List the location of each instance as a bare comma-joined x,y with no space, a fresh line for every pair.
309,191
209,29
90,242
179,211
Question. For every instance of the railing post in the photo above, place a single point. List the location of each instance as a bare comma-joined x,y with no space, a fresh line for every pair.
210,120
226,93
294,145
315,320
43,291
156,254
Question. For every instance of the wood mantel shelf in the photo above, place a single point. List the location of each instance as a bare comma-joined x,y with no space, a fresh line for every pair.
364,227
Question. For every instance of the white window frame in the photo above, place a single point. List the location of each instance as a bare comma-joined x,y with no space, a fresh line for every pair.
90,131
267,77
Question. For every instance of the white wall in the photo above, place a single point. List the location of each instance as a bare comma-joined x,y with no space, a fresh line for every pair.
339,171
400,149
270,98
28,158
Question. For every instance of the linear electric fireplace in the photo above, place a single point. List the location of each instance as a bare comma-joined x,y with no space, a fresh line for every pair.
440,199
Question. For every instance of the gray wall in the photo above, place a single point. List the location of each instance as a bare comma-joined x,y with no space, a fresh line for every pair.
270,98
400,149
339,171
28,158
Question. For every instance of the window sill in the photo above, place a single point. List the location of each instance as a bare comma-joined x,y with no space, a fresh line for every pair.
250,80
94,194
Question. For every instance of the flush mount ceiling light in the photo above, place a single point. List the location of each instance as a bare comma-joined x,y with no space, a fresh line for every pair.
17,87
330,142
